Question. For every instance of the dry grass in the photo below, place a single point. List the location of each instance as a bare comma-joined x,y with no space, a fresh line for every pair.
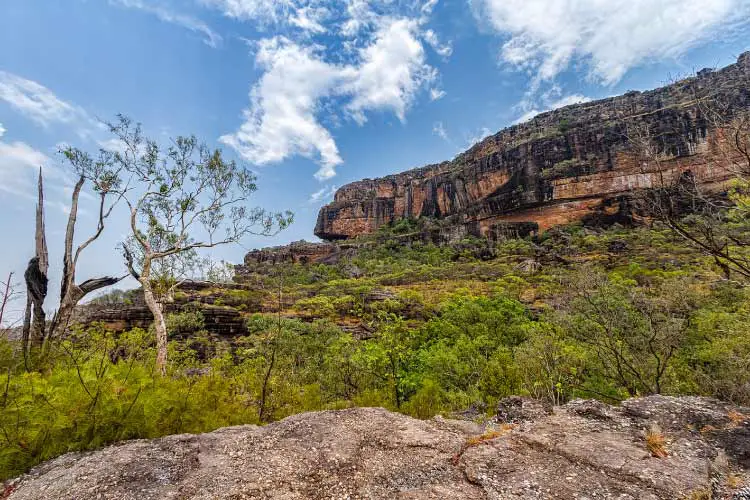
734,481
736,417
489,435
701,494
656,442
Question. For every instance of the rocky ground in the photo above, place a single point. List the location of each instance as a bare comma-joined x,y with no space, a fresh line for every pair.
649,448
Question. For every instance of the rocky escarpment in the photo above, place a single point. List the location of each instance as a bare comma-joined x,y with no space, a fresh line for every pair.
585,449
561,166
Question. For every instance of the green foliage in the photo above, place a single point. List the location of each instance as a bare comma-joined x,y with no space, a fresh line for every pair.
116,297
564,125
565,168
98,389
185,322
437,330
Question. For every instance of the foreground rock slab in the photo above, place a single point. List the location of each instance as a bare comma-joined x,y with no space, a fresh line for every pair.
584,450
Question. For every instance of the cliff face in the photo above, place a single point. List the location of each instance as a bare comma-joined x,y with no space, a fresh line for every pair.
561,166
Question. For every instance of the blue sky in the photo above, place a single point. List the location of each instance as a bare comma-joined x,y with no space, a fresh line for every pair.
313,94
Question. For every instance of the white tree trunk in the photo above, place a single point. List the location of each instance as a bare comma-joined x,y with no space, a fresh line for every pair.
160,325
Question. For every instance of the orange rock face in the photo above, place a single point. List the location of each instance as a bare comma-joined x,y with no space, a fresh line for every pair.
559,167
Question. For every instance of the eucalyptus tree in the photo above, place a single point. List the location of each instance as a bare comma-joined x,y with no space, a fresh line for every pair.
181,198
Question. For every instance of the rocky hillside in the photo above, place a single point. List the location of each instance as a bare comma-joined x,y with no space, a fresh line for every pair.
651,448
561,166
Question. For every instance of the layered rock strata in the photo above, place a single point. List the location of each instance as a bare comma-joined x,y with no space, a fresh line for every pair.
560,166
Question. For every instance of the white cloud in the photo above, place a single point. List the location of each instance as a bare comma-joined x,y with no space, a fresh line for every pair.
309,19
337,59
281,119
259,10
436,94
439,130
37,102
210,37
392,69
559,103
2,130
443,50
611,36
16,160
428,7
359,17
285,103
112,144
323,194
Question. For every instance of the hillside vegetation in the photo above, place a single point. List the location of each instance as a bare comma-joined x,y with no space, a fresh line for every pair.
402,324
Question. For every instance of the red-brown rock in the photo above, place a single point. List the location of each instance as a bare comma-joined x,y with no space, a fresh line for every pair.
559,167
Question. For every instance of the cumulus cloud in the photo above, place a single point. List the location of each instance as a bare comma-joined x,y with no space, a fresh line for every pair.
359,16
337,59
2,130
611,36
285,104
391,71
210,37
37,102
281,120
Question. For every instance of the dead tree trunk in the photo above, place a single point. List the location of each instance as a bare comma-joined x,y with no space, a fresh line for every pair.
70,292
34,326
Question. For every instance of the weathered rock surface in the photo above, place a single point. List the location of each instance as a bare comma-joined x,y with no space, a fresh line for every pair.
561,166
582,450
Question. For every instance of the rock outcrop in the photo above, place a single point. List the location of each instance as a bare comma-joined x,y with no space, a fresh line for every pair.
298,252
585,449
563,165
216,302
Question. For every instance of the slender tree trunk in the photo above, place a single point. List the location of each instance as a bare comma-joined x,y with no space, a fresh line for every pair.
160,325
61,320
264,390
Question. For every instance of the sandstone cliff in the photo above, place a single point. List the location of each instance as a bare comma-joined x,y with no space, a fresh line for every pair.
560,166
584,449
